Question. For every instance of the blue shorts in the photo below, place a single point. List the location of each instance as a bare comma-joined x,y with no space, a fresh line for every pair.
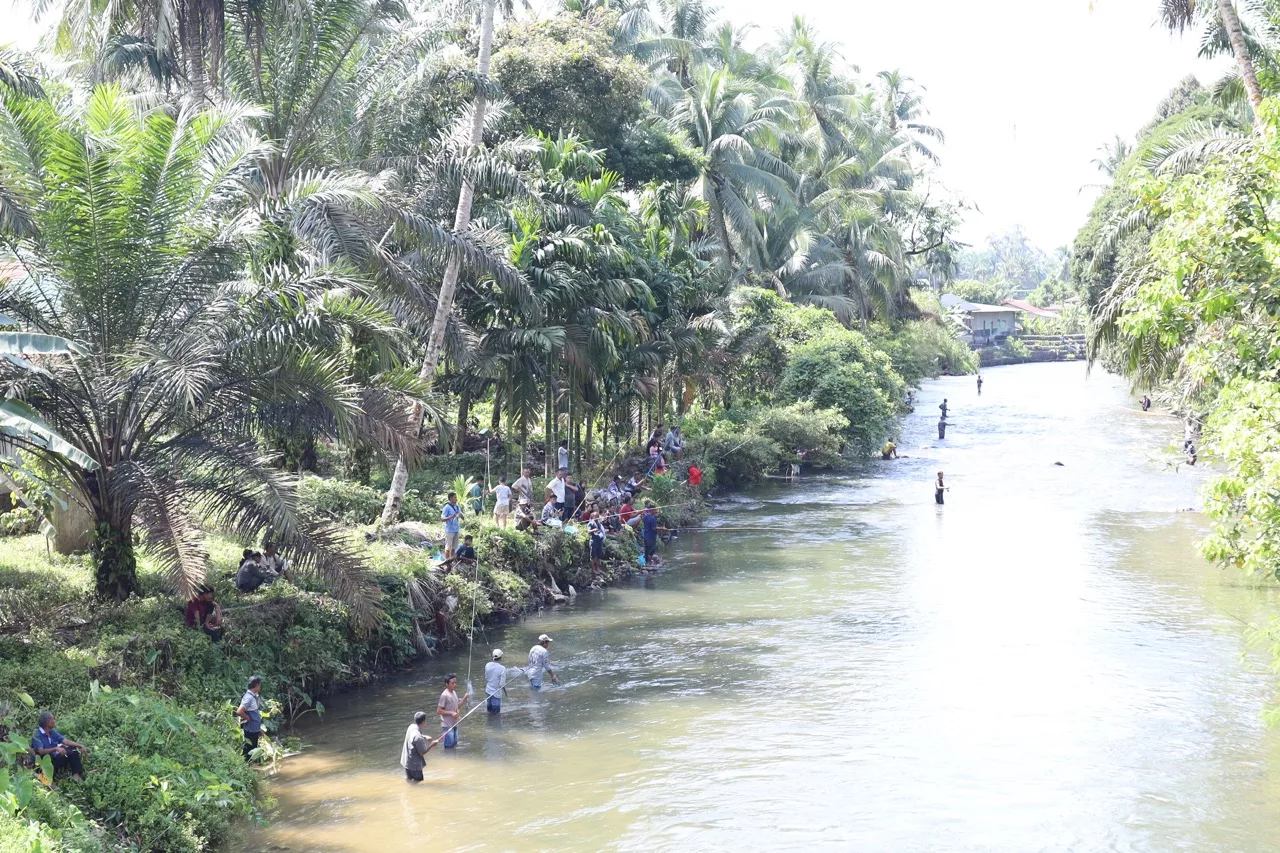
536,683
450,737
494,704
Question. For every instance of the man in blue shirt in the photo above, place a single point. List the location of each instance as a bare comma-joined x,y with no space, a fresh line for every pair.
63,751
451,515
649,531
250,714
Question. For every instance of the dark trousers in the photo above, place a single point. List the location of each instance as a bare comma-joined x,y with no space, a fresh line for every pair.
250,743
937,495
650,545
71,761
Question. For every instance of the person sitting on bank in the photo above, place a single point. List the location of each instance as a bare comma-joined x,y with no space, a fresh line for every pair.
466,552
64,752
275,563
550,510
205,613
525,522
635,485
253,572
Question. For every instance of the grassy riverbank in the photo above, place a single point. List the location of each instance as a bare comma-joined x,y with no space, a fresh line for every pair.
154,698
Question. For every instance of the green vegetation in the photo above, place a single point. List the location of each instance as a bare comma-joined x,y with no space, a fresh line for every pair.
288,271
1178,264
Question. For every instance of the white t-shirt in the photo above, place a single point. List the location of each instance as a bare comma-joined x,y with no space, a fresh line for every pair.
495,678
539,660
523,486
504,495
557,488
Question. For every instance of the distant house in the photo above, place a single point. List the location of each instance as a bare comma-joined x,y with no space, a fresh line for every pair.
987,324
1034,310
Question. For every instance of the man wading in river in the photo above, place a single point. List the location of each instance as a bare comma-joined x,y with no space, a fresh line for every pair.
413,754
938,488
450,710
540,661
495,682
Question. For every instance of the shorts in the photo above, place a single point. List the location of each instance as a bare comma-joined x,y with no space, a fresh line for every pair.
597,548
502,511
451,540
413,775
450,736
494,705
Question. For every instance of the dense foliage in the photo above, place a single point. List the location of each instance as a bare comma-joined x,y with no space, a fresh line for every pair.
258,257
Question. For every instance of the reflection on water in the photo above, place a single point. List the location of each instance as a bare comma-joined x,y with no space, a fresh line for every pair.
1042,664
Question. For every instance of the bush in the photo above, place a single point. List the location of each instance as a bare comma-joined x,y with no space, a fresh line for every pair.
354,504
19,521
170,781
920,349
803,426
841,370
738,454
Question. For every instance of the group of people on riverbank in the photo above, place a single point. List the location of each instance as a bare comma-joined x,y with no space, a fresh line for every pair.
450,706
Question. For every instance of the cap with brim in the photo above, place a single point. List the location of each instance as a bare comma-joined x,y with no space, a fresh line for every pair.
497,653
544,639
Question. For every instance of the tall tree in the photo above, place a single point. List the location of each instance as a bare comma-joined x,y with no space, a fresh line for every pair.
449,286
131,229
1177,15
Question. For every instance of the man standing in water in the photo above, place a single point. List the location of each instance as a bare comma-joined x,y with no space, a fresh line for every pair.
495,682
413,754
979,383
449,708
539,662
889,451
942,427
943,407
938,488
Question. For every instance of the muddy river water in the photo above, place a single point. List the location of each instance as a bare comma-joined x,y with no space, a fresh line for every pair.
1041,664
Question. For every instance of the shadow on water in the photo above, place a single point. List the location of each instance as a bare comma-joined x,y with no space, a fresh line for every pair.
1041,664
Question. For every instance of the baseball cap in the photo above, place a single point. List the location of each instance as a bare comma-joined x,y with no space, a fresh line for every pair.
497,653
544,639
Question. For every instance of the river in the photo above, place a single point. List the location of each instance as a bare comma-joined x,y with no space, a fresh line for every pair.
1041,664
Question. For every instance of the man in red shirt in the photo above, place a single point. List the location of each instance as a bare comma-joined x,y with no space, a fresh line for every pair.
626,512
204,613
695,476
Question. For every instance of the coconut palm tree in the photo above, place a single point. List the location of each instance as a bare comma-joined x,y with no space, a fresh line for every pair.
131,230
729,121
1177,15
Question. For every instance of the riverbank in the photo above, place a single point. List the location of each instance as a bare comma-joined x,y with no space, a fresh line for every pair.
1042,661
172,778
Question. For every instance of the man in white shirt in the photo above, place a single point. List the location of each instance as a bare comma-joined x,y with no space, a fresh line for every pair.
539,662
556,487
495,682
413,752
502,509
562,456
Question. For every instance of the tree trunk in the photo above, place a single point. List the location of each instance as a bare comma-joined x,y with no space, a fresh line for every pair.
115,566
496,422
546,428
1231,23
464,411
444,305
591,417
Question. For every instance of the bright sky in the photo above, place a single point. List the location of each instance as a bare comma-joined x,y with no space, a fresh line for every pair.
1026,90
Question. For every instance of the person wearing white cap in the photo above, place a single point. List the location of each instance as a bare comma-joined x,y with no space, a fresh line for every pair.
495,682
540,661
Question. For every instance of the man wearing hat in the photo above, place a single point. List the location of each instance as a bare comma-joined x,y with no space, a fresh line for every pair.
539,661
495,681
